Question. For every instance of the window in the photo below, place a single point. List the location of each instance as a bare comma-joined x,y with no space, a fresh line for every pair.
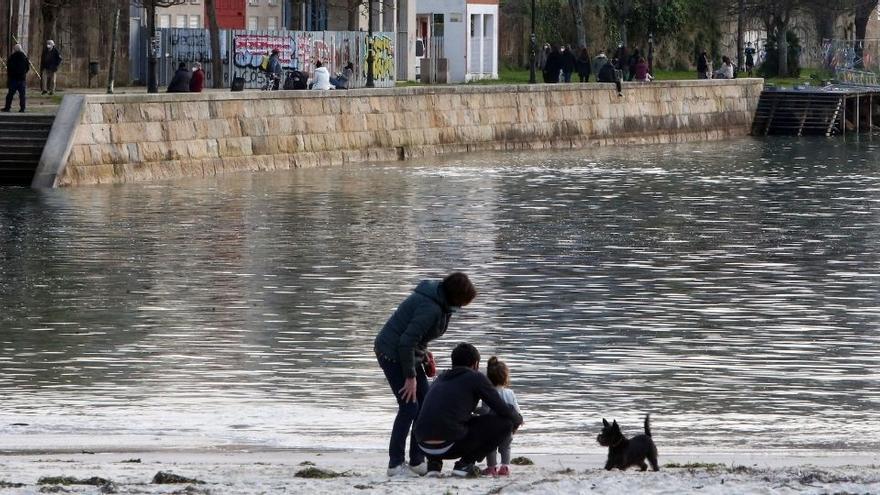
165,21
438,25
195,21
273,3
254,2
195,2
272,23
253,23
181,21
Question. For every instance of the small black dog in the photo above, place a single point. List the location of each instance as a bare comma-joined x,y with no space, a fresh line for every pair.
623,452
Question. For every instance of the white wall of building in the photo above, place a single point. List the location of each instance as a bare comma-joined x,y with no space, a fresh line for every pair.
482,43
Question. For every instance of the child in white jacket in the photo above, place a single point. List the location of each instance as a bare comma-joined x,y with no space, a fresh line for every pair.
499,375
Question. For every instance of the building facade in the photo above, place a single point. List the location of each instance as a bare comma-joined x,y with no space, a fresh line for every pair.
253,15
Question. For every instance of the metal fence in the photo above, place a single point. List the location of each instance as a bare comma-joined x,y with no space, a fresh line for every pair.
853,61
241,53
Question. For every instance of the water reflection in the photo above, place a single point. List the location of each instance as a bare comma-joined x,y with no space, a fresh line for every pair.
730,288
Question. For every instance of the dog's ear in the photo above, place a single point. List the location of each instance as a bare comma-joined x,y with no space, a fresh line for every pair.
615,425
605,422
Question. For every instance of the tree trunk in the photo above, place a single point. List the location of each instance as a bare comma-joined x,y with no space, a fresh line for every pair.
782,49
152,61
577,13
216,55
863,14
50,22
111,73
354,14
740,61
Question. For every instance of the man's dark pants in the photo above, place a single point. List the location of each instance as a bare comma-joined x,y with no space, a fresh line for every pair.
19,87
407,412
485,434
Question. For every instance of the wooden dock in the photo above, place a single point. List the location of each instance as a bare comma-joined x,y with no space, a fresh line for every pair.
827,111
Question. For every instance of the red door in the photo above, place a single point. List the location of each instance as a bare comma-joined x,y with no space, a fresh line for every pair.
230,14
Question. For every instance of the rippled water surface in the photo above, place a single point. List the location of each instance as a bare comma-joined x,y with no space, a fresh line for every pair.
731,289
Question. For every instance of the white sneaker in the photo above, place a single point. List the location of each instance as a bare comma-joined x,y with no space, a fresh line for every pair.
420,469
401,470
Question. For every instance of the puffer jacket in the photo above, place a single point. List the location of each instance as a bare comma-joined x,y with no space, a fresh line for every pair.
420,318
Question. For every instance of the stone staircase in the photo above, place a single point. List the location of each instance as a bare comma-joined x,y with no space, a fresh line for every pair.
22,138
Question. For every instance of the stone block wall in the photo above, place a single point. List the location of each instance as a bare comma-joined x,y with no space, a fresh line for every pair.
125,138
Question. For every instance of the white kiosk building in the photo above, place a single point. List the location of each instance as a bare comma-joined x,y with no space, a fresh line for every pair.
463,32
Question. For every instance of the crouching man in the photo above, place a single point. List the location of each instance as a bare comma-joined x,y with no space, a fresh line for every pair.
446,427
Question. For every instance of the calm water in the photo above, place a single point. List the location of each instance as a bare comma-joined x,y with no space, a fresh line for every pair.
731,289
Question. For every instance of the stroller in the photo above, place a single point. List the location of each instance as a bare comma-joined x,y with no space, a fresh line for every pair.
294,79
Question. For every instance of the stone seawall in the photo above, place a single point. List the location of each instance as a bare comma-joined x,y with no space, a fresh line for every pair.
127,138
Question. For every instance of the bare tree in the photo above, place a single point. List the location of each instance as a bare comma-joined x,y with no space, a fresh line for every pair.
216,57
50,11
577,12
150,7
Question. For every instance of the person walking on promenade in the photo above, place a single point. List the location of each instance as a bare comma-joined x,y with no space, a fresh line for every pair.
197,80
17,68
583,64
49,63
610,74
632,62
569,62
180,82
703,71
542,56
402,351
447,428
640,71
553,66
750,58
622,64
599,61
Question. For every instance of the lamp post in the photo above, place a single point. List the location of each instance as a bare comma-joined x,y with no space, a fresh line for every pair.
651,41
533,49
370,78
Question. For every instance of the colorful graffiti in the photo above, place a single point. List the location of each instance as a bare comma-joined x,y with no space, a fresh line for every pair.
383,57
298,50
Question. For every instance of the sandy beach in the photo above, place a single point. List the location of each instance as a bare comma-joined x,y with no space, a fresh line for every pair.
239,471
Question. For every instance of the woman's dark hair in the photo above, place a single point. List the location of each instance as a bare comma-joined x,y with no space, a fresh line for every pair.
319,64
465,354
498,372
458,289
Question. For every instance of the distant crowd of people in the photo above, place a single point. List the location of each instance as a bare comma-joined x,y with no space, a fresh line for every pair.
559,63
320,80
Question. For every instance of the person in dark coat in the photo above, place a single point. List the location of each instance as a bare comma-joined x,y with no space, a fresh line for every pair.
17,67
553,66
703,66
447,428
583,65
633,60
49,63
569,61
180,81
610,74
197,80
622,57
402,351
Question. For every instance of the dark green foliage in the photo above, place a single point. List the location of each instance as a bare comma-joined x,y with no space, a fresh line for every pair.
770,67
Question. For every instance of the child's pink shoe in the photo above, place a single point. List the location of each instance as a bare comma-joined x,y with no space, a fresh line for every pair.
504,470
490,471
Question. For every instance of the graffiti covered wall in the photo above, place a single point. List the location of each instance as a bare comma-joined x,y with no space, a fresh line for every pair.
297,50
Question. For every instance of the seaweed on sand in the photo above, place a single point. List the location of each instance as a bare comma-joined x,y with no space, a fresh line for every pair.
163,478
313,472
522,461
70,480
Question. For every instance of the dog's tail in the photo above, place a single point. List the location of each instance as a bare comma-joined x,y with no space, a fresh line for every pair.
648,424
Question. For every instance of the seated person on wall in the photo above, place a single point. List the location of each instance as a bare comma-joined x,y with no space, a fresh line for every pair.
180,81
726,70
197,83
343,81
322,77
609,74
446,427
640,71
